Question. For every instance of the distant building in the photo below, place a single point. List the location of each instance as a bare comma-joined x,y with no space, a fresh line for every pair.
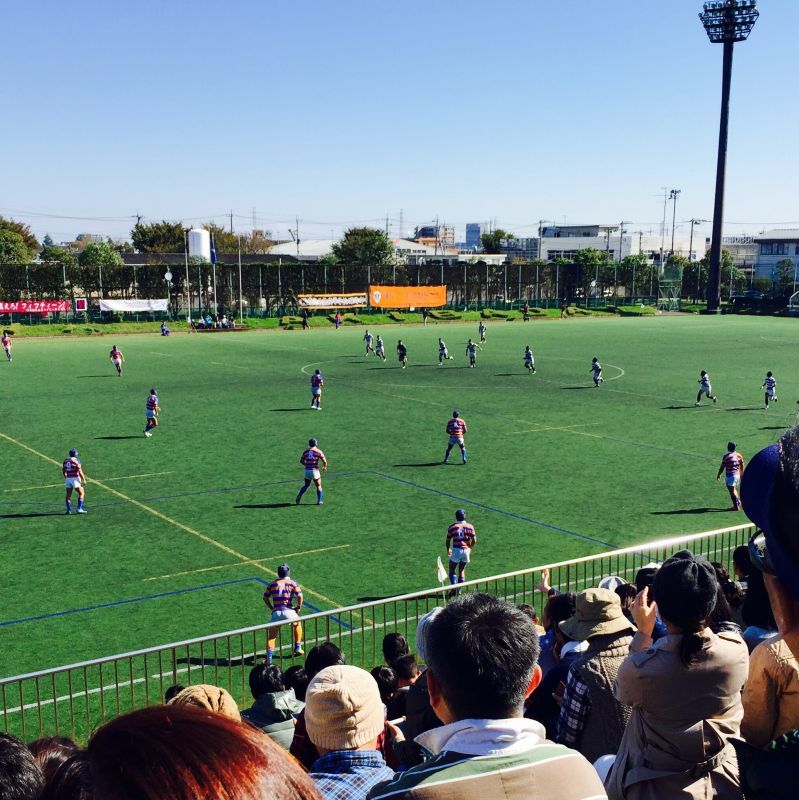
435,235
474,233
524,249
576,231
775,246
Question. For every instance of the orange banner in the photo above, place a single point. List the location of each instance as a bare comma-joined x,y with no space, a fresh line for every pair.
407,296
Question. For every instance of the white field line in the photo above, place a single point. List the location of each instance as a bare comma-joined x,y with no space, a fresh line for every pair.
251,561
120,478
165,355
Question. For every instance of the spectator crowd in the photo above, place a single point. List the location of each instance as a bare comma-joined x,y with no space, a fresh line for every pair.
683,684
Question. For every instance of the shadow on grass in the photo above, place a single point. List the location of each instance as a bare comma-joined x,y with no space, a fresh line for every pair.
117,438
422,464
304,408
265,505
704,510
774,428
678,408
96,376
33,514
514,375
576,388
745,408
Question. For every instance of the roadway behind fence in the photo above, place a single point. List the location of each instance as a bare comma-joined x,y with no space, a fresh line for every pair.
73,700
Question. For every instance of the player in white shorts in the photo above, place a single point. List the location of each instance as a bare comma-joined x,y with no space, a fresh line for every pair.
704,388
380,350
529,359
471,351
73,480
367,338
770,385
6,342
596,371
443,353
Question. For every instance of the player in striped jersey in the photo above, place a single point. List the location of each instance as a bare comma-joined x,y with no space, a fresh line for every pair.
6,342
73,480
461,538
380,348
596,370
471,351
402,353
529,359
317,382
704,387
456,428
732,464
117,359
151,411
278,598
770,385
311,459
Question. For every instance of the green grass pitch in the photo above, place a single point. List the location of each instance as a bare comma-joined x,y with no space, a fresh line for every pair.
187,525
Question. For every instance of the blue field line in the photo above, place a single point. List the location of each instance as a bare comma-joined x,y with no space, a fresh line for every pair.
305,603
511,514
126,602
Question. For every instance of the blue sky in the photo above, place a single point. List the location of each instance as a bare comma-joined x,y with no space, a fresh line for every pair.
343,113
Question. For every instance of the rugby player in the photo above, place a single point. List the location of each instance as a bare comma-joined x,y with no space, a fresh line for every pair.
732,464
443,354
311,459
367,337
456,428
278,598
704,387
770,385
151,412
117,359
481,329
380,350
471,351
529,359
6,342
317,382
596,369
461,539
73,481
402,353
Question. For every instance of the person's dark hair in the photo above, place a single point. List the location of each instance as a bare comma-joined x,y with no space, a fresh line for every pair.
266,679
386,680
173,691
70,781
51,752
394,646
740,559
296,678
406,667
323,655
526,608
721,615
785,492
685,590
756,610
626,593
558,608
733,593
182,753
20,776
482,652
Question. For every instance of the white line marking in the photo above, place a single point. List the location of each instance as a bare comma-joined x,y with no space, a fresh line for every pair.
251,561
165,355
120,478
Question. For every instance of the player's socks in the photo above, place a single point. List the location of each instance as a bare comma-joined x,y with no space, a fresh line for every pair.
69,506
461,579
270,655
453,579
319,496
80,505
298,651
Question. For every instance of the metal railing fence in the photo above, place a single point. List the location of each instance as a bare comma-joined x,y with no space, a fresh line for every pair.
73,700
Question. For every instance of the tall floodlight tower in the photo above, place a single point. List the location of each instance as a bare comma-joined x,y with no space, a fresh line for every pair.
726,22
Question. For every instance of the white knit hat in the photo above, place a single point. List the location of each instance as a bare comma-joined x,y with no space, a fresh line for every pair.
343,709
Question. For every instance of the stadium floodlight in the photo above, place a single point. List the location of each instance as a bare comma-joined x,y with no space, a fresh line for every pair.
726,22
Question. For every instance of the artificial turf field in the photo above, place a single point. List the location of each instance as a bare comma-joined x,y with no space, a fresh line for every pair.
184,528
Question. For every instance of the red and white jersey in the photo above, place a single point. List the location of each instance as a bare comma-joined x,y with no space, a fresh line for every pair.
71,467
311,458
456,427
461,534
152,402
6,342
115,355
733,463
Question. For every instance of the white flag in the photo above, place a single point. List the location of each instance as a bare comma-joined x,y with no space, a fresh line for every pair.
440,571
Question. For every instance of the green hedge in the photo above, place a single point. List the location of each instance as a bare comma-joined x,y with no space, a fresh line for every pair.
396,316
445,315
634,311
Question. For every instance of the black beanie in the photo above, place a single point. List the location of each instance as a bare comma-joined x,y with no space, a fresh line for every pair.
685,589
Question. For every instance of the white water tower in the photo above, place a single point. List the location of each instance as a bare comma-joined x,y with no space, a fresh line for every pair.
200,244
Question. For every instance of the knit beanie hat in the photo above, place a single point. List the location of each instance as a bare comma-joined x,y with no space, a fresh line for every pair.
210,698
343,709
685,589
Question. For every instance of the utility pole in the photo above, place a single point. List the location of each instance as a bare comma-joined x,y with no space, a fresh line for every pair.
402,224
691,239
663,226
674,194
231,223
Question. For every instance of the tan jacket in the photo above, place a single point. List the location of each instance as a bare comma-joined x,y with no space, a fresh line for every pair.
771,693
676,743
